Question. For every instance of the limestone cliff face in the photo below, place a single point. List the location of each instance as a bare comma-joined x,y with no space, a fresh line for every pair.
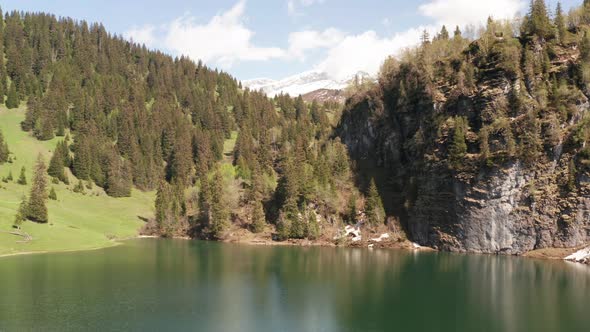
510,209
507,207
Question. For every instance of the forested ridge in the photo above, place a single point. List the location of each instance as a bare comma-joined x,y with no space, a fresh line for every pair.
133,117
476,144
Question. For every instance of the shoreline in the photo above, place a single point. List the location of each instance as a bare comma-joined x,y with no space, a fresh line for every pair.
23,253
547,254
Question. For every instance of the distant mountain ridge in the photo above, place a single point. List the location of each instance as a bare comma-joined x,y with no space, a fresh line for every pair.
301,84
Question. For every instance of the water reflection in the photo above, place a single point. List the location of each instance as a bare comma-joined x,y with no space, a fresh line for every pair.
186,285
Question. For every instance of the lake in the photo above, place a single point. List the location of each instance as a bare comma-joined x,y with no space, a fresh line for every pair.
164,285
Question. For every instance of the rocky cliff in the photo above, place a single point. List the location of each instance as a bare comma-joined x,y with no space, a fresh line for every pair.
513,180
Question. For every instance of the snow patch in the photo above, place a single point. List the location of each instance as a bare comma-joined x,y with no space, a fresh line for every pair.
301,84
580,256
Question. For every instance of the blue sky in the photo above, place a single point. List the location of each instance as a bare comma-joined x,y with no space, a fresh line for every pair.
256,38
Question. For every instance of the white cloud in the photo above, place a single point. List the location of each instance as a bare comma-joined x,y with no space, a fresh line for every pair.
464,12
292,5
302,41
224,40
142,35
366,52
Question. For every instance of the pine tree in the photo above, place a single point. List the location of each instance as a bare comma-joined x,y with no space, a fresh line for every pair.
21,213
4,152
560,23
258,217
425,38
37,209
458,147
457,34
22,179
52,194
351,210
537,22
9,177
82,160
170,208
79,188
218,210
444,33
313,227
374,206
57,164
12,100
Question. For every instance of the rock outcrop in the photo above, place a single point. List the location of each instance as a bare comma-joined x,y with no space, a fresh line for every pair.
509,205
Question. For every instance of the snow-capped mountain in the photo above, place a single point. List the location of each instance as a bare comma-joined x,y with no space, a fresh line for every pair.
300,84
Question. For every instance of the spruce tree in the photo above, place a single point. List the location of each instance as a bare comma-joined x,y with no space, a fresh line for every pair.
12,100
458,147
560,23
22,179
444,33
374,210
313,227
351,210
219,215
52,194
56,164
37,209
537,22
21,213
4,152
457,34
258,217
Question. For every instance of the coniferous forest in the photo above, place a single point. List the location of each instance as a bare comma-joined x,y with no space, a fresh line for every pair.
450,113
130,117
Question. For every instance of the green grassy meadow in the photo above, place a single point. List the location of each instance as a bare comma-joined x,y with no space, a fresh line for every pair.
76,221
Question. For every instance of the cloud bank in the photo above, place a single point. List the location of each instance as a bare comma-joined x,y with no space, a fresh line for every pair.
225,40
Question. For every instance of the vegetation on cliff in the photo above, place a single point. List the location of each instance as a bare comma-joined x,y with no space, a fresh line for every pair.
452,112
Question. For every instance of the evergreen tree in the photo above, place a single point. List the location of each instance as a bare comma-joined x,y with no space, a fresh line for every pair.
79,188
457,34
82,160
52,194
37,209
258,218
12,100
22,179
218,220
21,213
560,23
374,210
4,152
537,22
458,147
351,210
425,38
313,226
444,33
57,164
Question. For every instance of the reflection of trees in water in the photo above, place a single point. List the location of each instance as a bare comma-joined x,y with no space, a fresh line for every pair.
213,286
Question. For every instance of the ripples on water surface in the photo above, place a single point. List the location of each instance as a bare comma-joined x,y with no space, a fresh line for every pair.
159,285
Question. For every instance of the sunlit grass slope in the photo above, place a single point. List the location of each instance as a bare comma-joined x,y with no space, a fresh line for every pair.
76,221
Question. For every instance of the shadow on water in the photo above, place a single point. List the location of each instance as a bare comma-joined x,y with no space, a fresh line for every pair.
189,285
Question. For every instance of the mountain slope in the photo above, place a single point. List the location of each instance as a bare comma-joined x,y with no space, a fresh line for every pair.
77,221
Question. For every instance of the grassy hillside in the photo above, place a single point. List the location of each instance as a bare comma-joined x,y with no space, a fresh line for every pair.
76,221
